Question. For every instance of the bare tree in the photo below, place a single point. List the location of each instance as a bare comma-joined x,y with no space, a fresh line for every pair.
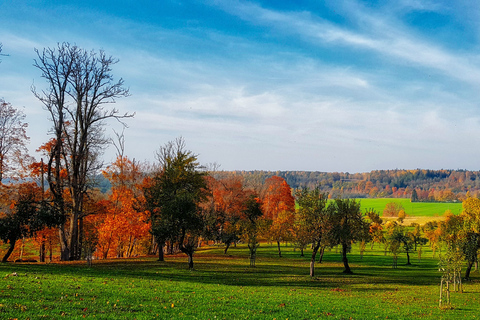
13,137
80,85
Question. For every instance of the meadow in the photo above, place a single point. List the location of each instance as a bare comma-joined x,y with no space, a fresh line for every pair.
225,287
413,209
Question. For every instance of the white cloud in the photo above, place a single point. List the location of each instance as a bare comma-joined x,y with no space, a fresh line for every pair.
391,41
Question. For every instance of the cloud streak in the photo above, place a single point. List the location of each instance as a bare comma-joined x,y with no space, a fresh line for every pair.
383,38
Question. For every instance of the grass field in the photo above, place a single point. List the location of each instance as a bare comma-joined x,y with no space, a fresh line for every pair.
225,287
413,209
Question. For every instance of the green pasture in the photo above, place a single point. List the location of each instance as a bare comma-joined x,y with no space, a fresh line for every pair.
415,209
225,287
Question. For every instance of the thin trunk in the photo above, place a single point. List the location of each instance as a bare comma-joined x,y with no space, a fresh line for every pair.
74,236
22,248
320,258
441,294
190,260
301,252
80,238
10,250
467,271
312,261
279,251
50,247
345,259
1,167
227,245
42,250
408,259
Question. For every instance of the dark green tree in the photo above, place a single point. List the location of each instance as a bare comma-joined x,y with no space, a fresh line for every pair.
414,197
348,227
402,239
174,197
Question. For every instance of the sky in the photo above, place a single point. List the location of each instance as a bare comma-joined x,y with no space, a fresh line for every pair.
336,86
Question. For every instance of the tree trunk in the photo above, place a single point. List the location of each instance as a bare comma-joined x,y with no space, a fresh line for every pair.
160,252
320,258
80,239
190,260
22,248
74,236
467,271
301,252
10,250
64,248
50,250
345,259
408,259
279,251
312,261
42,250
227,245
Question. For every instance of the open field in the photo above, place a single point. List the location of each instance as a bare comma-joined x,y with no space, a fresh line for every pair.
413,209
225,287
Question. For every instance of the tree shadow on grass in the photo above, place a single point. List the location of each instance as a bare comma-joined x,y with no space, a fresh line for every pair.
234,270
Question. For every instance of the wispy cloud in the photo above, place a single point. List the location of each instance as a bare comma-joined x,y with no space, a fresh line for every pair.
389,41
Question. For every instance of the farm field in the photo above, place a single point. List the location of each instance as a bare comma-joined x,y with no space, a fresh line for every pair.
225,287
413,209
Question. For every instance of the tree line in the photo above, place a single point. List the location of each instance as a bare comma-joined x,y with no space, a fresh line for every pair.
174,204
428,185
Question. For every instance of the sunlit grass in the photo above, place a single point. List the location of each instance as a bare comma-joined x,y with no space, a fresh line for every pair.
225,287
413,209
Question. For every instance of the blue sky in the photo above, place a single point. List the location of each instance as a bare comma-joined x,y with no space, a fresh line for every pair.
272,85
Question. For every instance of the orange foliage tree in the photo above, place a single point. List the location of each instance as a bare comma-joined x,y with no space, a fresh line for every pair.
123,227
228,197
278,206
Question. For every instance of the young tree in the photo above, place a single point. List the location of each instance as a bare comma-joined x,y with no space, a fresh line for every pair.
392,209
313,216
80,85
281,228
251,225
174,198
348,226
400,239
376,229
470,232
13,137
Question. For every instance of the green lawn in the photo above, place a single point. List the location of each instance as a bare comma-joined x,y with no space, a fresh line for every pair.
225,287
416,209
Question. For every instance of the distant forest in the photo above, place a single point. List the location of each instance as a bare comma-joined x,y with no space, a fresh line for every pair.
429,185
